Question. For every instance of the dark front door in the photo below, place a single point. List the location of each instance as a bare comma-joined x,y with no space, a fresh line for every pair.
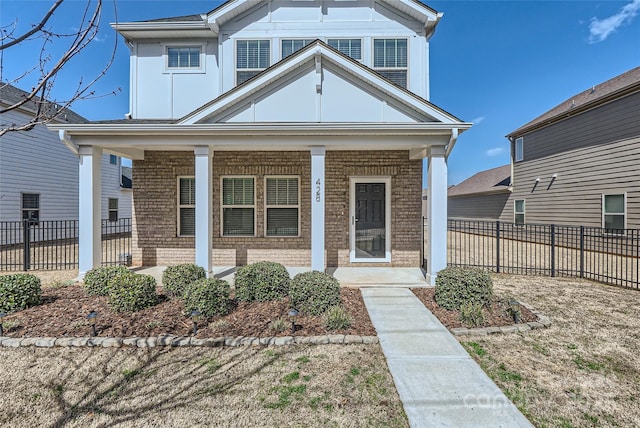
370,220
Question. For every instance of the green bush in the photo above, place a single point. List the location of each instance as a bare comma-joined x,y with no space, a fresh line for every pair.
96,280
210,296
19,291
262,282
176,278
472,314
458,285
312,293
132,292
336,318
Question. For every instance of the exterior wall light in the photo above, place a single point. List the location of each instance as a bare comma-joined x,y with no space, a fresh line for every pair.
196,316
93,318
293,313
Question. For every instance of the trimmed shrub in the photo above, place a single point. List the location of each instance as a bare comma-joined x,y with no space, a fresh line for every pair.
472,314
132,292
19,291
312,293
176,278
210,296
458,285
336,318
96,280
262,282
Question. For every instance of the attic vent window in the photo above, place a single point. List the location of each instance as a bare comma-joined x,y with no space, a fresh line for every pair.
252,56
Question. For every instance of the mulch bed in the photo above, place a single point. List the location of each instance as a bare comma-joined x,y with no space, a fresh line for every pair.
64,310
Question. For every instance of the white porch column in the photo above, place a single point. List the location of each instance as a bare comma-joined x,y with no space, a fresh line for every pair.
436,213
89,209
204,208
317,208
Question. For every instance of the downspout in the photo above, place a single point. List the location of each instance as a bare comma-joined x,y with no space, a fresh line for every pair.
66,140
452,142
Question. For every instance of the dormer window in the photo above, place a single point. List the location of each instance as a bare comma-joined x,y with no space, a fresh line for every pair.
183,57
350,47
390,59
252,56
291,46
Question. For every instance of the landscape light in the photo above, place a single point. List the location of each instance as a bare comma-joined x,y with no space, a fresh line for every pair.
196,315
93,318
516,312
2,315
293,313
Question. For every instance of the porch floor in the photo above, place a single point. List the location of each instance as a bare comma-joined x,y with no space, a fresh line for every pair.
348,276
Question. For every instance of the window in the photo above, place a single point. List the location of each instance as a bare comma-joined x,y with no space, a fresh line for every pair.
113,160
518,210
238,206
186,206
31,207
291,46
349,47
390,59
613,213
252,56
183,57
282,206
113,209
519,155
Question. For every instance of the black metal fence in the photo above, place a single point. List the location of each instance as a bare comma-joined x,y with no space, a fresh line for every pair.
605,255
53,245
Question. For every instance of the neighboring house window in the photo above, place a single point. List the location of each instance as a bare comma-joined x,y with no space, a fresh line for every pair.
613,213
183,57
31,207
390,59
518,210
349,47
519,149
113,160
113,209
186,206
291,46
238,206
282,206
252,56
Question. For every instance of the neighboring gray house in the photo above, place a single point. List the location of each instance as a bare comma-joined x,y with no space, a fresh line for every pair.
39,175
579,163
482,196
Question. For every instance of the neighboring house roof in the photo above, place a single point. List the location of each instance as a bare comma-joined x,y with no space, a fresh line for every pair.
126,182
619,86
496,180
10,95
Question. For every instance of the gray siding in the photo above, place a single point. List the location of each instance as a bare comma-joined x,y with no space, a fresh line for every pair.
481,207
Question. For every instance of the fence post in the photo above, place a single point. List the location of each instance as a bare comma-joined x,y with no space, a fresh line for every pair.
497,246
553,250
26,245
581,251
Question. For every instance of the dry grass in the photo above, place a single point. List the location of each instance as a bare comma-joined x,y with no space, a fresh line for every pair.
584,370
222,387
51,278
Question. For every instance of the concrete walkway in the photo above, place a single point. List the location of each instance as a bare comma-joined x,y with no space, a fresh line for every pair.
439,384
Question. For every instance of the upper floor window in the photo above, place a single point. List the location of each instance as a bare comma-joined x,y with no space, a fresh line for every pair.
519,155
349,47
31,207
390,59
183,57
291,46
113,160
252,56
613,213
186,206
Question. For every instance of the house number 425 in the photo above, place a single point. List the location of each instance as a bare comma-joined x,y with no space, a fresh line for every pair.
318,190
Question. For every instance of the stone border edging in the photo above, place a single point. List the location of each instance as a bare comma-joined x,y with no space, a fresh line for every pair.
182,341
543,322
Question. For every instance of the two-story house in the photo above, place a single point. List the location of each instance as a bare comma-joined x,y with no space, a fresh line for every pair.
284,130
39,176
578,163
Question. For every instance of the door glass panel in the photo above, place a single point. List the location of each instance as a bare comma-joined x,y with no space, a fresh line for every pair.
370,220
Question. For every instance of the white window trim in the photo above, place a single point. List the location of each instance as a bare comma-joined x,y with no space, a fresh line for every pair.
524,212
266,207
223,206
361,47
519,142
624,195
109,209
378,69
178,205
235,57
184,70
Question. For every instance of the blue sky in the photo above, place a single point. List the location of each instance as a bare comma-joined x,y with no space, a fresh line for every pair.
496,63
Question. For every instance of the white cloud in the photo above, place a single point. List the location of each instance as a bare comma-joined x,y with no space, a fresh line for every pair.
600,29
477,120
496,151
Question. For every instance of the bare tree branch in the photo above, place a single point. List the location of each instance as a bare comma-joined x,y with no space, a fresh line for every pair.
38,101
